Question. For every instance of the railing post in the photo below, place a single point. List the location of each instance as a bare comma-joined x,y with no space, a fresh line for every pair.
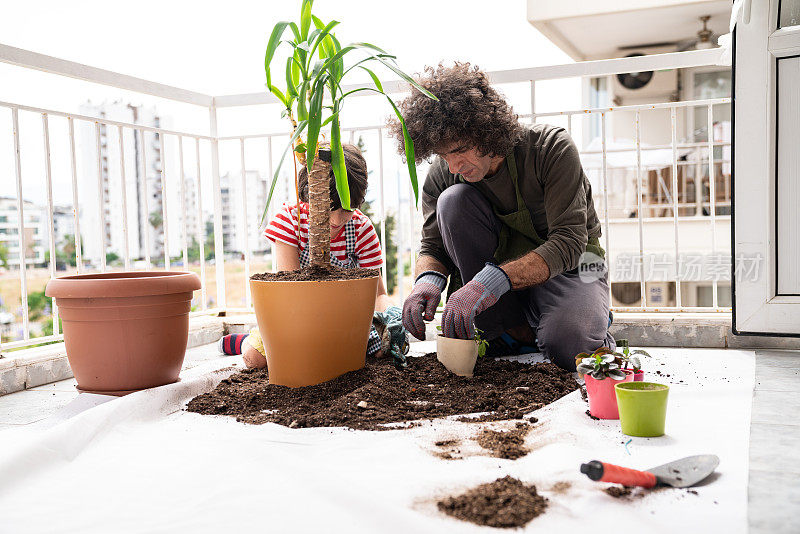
712,198
639,193
124,193
200,228
50,212
164,214
605,199
383,207
145,194
75,207
674,127
23,279
246,227
101,197
219,254
184,235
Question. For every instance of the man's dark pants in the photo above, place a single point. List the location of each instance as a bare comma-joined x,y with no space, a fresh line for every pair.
567,314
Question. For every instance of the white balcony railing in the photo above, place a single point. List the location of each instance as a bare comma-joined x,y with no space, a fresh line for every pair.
661,190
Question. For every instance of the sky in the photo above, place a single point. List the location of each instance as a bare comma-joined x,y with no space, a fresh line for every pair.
218,48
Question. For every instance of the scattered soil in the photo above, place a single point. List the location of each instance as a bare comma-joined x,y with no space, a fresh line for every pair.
504,503
592,416
561,487
448,449
619,492
314,273
378,394
508,444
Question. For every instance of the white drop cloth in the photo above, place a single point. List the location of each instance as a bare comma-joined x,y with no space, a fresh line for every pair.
142,464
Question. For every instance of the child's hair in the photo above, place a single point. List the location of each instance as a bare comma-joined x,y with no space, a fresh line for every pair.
356,178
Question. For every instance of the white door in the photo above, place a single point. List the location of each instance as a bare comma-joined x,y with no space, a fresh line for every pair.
766,173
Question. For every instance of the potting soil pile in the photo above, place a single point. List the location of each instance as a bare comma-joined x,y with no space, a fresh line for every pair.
143,463
380,393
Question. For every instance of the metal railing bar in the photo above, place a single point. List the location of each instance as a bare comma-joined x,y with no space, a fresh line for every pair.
605,197
603,67
219,254
75,206
674,133
632,107
107,122
248,298
124,193
23,280
639,193
101,198
712,195
184,234
201,229
164,221
145,195
382,206
72,69
50,212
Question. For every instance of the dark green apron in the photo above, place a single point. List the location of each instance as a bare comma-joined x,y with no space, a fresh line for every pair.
517,233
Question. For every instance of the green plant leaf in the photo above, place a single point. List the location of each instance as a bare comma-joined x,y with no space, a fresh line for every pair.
616,375
408,144
272,46
291,89
642,352
314,122
305,19
338,163
323,33
300,127
302,108
280,96
391,66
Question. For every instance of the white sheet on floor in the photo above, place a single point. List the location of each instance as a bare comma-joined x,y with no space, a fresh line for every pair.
143,464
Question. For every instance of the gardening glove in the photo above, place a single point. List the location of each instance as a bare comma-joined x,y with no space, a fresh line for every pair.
394,338
425,298
483,291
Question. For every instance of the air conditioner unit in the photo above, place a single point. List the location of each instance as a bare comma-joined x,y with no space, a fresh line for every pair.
645,87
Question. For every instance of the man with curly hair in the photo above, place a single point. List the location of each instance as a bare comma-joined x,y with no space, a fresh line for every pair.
508,210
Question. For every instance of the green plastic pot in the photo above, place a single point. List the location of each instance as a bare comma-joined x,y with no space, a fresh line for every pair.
642,408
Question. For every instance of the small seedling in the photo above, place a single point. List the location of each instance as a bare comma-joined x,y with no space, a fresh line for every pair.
629,357
483,344
601,364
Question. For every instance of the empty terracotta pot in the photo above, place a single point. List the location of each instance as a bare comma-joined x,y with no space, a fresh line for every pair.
124,331
313,331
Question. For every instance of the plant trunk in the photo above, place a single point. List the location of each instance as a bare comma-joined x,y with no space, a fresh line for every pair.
319,200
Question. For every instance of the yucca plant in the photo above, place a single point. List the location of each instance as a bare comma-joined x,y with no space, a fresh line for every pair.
313,100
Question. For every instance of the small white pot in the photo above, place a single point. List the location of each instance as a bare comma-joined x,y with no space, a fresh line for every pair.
457,355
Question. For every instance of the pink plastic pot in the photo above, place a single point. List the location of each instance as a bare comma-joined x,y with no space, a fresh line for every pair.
638,376
602,397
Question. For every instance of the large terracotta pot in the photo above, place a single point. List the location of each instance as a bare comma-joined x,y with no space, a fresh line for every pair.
124,331
313,331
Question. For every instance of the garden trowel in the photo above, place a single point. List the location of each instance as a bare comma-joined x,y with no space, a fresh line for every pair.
679,474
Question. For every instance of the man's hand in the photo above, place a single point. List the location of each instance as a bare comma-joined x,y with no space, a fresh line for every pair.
483,291
425,298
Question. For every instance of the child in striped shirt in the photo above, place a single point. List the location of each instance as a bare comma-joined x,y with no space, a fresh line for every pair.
354,243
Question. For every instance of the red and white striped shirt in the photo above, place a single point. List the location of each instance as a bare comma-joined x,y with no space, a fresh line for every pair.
284,228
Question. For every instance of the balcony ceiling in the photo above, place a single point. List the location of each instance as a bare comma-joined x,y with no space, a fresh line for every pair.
598,29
